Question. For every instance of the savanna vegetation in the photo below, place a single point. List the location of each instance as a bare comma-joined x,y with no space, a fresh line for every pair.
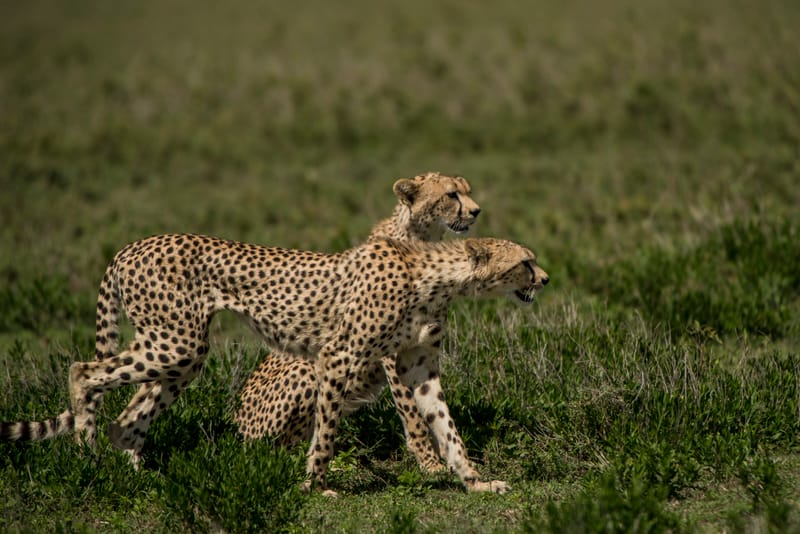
649,152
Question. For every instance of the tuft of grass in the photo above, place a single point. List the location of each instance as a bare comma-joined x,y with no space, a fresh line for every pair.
741,280
223,484
402,521
40,302
61,485
609,505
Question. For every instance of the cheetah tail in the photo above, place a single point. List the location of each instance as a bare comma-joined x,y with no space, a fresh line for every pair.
37,430
107,321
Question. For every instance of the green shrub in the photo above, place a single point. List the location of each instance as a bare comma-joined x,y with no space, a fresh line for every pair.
402,521
241,488
41,302
52,480
742,279
769,507
609,505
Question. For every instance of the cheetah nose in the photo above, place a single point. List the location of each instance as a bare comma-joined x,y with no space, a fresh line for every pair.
474,212
545,280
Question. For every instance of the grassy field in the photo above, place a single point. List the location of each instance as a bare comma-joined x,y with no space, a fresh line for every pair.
649,152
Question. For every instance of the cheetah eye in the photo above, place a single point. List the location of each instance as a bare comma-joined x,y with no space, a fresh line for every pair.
452,194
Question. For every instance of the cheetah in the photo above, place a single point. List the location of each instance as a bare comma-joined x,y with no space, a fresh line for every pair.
280,396
344,310
429,204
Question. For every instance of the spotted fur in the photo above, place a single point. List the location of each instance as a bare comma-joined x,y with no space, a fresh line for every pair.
280,396
345,311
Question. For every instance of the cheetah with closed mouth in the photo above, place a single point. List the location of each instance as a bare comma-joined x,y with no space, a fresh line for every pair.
280,396
344,310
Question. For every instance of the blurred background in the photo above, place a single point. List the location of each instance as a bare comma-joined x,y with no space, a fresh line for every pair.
586,128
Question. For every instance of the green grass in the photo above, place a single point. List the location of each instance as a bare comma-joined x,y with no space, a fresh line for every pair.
648,153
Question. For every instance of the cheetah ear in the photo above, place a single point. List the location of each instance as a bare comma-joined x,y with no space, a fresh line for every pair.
464,184
479,255
406,191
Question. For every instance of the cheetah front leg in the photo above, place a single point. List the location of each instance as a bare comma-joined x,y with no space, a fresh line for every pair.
332,368
418,369
418,438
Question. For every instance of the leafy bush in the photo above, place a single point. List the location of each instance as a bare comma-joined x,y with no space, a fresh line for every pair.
240,488
609,505
759,477
41,302
742,279
54,480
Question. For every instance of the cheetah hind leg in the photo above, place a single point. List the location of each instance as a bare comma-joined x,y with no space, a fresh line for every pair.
89,434
125,432
128,431
117,436
88,382
83,403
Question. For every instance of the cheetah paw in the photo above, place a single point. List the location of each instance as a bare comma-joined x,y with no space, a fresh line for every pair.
495,486
432,468
307,487
116,437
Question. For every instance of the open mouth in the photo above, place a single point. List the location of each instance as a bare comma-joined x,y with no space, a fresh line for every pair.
459,227
524,296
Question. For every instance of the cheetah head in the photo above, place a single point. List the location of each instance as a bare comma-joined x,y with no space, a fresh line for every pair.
437,203
506,268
